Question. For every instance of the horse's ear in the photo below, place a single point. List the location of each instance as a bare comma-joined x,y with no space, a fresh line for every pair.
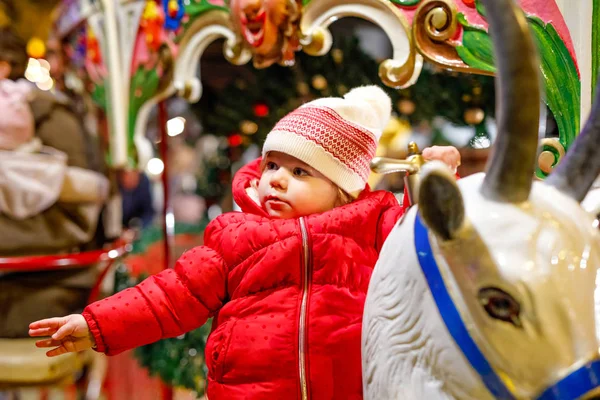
440,202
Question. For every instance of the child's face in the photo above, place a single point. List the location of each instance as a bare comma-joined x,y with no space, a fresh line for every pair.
289,188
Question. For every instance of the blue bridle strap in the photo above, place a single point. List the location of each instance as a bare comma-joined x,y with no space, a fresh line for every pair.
452,317
576,384
571,387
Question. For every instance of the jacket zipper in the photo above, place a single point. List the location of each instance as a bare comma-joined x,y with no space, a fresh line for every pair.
303,307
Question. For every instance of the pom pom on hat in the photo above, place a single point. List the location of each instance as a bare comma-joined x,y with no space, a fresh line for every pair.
367,106
376,98
336,136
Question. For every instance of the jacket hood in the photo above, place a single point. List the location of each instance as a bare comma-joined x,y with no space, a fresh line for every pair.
242,184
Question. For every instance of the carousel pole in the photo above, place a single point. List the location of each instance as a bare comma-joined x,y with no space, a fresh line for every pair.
116,82
168,219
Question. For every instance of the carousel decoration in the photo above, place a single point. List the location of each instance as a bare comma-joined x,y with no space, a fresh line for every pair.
270,27
451,34
167,38
127,54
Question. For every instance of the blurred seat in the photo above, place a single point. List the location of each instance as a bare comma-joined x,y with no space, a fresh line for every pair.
24,365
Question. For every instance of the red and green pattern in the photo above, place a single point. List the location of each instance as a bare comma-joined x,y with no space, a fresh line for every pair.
559,73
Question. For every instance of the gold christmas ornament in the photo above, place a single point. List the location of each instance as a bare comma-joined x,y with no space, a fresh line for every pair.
36,47
466,98
337,55
241,84
474,116
248,127
342,90
477,90
391,129
303,88
319,82
393,143
406,107
397,142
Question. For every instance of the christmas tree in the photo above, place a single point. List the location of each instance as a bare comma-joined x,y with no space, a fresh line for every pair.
246,110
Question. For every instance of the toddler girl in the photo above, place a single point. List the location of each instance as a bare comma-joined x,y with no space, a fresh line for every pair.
285,279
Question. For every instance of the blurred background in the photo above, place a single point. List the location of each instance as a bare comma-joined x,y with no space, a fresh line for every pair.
176,177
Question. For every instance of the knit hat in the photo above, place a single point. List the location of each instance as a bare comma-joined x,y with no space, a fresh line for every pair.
336,136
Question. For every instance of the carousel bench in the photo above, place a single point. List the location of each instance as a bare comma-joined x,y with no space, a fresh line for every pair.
21,362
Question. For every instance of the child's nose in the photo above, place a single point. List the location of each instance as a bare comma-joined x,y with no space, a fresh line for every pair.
279,179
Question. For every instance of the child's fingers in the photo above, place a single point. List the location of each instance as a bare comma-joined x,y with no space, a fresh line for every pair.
68,346
47,323
47,343
64,331
447,154
41,332
453,158
57,351
451,161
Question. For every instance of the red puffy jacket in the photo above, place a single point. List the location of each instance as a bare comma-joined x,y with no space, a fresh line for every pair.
287,299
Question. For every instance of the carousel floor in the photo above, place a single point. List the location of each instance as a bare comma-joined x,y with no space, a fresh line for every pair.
125,380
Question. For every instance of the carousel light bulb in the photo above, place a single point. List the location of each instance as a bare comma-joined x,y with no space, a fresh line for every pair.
175,126
46,84
33,63
155,166
170,220
33,73
44,64
44,75
36,47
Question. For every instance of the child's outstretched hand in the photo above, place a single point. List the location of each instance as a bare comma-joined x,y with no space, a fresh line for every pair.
67,334
447,154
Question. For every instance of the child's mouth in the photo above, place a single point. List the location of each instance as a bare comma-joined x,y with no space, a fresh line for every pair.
275,203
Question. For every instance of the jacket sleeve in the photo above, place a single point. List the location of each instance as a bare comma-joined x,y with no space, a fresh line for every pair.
165,305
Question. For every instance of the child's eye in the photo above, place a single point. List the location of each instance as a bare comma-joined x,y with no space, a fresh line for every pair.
300,172
271,165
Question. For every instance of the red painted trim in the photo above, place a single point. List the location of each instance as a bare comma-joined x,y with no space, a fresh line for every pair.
116,250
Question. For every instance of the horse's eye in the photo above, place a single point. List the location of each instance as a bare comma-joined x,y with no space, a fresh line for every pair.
500,305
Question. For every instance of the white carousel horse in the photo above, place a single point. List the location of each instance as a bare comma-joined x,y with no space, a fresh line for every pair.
488,288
